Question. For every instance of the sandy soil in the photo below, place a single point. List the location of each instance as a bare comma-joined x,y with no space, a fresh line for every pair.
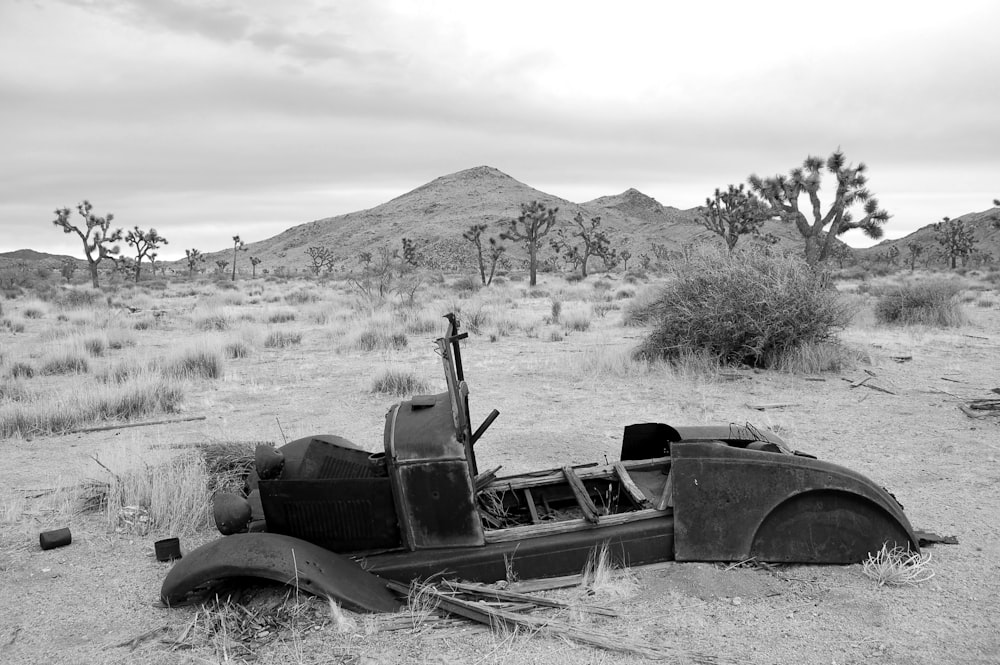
74,604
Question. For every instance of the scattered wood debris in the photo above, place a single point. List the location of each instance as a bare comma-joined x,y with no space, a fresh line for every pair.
480,610
866,382
901,359
772,405
105,428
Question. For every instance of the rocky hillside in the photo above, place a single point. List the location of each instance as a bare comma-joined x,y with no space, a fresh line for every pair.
437,213
986,233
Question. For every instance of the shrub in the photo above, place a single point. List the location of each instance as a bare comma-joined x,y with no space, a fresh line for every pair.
466,284
195,363
281,316
373,339
747,308
277,339
932,303
398,382
95,345
576,319
237,349
65,362
556,310
33,313
22,370
212,322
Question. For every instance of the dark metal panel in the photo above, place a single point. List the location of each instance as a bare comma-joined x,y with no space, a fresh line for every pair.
436,505
634,543
282,559
731,502
344,515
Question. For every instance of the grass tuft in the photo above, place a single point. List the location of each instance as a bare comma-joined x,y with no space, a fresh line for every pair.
931,303
65,362
897,567
195,363
278,339
398,382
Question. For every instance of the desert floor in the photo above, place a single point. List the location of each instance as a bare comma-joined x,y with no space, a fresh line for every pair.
564,397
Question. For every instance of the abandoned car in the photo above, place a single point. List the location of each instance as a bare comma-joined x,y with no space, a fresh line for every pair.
336,520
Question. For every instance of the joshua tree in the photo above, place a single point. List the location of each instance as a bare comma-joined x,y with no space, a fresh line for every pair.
254,262
593,242
67,268
411,256
955,238
534,223
914,251
319,258
145,244
97,237
625,256
782,193
733,213
494,252
238,246
194,259
221,266
892,255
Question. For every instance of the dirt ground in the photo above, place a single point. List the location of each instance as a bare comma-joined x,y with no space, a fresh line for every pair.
76,604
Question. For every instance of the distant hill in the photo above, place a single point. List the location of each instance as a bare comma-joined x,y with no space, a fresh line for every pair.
437,213
981,223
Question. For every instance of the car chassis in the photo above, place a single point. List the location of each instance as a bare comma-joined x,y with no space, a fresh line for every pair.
337,521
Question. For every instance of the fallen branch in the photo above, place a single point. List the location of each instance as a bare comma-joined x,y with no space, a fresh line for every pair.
864,382
139,639
105,428
772,405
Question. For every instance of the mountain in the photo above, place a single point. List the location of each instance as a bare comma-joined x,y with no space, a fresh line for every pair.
437,213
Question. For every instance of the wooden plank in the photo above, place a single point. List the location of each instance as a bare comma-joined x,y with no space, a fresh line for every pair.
486,477
582,497
638,498
667,497
513,596
531,505
515,533
554,477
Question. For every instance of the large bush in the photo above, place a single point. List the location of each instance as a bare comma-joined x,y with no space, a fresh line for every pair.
932,303
748,308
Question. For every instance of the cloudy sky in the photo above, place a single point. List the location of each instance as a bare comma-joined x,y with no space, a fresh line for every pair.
209,118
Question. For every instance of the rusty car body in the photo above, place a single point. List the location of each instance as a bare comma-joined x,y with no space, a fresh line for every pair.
337,520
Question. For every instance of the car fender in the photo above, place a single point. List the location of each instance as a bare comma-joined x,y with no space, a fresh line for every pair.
282,559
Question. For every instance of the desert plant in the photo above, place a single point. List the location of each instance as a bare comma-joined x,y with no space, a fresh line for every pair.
496,251
593,241
932,302
897,567
196,362
374,338
534,223
748,308
278,339
145,244
577,319
398,382
955,238
194,260
21,369
69,361
734,213
97,238
782,193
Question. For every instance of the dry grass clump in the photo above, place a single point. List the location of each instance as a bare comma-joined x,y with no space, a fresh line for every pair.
21,370
746,308
278,339
817,357
398,382
237,348
603,575
228,463
80,406
67,361
13,390
198,362
280,316
95,345
897,567
577,319
214,321
374,339
932,302
170,496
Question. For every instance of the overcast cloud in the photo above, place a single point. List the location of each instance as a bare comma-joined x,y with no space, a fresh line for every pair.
206,119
